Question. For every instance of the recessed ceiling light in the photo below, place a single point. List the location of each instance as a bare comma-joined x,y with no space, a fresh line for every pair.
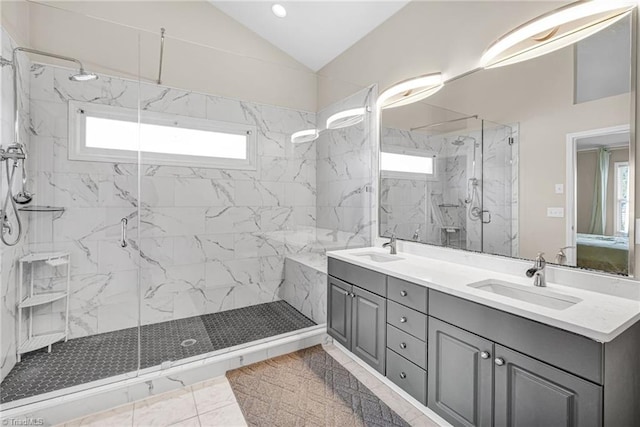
279,10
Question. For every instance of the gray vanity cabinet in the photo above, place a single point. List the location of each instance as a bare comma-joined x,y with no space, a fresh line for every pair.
460,375
531,393
368,322
339,311
357,311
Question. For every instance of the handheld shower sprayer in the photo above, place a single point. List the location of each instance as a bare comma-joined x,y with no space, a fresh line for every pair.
15,152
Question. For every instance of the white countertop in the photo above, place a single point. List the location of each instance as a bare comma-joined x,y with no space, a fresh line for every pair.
598,316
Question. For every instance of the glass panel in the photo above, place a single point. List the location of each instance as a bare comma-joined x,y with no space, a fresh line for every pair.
230,257
77,287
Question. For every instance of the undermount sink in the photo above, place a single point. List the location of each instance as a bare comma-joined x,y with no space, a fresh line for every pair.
538,296
376,257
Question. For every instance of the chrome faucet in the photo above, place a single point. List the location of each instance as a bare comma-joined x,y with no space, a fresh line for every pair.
391,244
538,271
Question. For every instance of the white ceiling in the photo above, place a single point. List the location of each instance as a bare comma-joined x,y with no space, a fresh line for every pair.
313,32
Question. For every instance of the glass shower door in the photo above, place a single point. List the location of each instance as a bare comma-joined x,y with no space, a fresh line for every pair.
85,187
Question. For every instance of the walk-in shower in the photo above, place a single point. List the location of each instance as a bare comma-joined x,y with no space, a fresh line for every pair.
220,257
15,152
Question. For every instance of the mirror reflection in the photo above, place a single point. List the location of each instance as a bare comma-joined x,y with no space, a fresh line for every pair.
519,160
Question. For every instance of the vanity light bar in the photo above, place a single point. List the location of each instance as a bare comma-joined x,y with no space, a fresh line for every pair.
410,90
306,135
555,30
346,118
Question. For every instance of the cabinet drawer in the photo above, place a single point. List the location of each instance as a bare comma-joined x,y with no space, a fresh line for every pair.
571,352
407,346
361,277
408,294
407,376
407,320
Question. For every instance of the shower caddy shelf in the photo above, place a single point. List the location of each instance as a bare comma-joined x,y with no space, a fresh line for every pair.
33,299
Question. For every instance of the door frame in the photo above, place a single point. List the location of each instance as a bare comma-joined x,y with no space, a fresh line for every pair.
571,183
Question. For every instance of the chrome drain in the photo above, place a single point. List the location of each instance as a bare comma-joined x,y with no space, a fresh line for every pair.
188,343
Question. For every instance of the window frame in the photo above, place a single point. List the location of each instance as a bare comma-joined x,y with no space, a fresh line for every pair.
78,150
616,191
394,149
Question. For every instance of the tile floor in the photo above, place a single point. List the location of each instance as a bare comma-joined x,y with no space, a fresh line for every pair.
212,404
91,358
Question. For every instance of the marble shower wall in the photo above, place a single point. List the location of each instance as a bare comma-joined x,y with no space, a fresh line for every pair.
205,240
344,176
9,255
427,208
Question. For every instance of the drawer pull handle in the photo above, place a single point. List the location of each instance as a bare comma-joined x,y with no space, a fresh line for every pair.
403,345
403,293
403,375
499,361
403,319
485,355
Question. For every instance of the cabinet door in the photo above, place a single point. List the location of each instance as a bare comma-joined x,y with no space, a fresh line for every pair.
532,393
368,331
339,311
460,375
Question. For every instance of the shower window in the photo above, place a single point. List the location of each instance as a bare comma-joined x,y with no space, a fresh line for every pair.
401,163
115,134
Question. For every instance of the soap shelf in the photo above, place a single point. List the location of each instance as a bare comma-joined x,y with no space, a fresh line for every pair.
34,299
36,208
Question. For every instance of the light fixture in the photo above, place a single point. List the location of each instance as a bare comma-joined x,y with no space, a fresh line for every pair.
555,30
346,118
279,10
306,135
410,90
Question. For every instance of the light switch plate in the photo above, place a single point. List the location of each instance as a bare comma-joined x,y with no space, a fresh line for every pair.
559,188
555,212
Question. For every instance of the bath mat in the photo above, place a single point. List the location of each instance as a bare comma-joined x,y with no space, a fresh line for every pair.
307,388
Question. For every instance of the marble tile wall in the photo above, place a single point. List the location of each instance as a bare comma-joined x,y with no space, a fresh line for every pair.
205,240
344,174
9,255
435,210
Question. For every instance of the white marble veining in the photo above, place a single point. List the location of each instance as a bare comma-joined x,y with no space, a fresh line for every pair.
305,285
205,239
598,316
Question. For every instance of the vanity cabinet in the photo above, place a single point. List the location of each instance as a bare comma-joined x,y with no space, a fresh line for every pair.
475,365
461,375
356,317
530,392
526,391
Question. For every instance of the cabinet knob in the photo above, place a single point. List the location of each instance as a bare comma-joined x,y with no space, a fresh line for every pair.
347,293
485,355
353,295
403,345
403,375
403,319
499,361
403,293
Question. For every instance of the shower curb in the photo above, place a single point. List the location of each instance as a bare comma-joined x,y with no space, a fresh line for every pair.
107,394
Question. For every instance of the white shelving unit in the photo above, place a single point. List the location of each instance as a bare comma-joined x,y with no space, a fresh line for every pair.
33,299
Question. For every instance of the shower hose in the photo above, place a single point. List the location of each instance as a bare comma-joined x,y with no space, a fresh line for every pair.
5,217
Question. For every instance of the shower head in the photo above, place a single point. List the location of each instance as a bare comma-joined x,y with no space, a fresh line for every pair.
460,141
83,76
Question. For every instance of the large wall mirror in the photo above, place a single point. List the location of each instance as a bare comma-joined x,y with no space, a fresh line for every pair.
522,159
